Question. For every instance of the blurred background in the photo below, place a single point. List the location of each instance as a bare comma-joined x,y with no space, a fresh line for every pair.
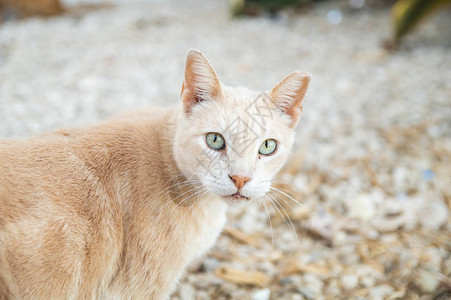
371,168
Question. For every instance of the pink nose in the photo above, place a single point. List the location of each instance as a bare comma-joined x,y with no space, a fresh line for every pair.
239,181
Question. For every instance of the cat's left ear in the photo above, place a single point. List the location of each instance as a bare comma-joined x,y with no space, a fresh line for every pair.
289,93
201,82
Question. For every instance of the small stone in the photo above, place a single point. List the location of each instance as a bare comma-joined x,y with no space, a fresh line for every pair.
426,281
261,294
186,292
306,292
362,207
433,259
340,238
380,292
349,281
289,280
368,281
434,215
314,284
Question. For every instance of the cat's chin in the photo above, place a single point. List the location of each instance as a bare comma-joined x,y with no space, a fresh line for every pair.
236,200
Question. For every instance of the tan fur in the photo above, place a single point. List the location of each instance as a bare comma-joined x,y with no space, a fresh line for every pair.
87,213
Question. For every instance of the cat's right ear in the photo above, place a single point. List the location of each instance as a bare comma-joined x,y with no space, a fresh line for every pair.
201,82
289,93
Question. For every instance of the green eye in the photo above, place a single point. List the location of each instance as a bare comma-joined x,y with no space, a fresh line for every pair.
215,141
268,147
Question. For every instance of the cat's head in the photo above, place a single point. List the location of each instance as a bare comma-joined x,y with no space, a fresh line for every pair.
233,140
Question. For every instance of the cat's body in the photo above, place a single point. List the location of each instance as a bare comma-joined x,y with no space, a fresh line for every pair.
119,234
112,211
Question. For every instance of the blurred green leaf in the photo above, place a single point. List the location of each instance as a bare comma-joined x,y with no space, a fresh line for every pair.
408,13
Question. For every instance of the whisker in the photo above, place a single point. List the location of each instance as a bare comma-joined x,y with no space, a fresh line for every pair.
288,196
289,219
269,219
186,198
178,184
171,201
272,201
198,200
292,187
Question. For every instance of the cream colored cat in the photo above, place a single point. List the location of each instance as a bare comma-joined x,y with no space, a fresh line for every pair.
118,210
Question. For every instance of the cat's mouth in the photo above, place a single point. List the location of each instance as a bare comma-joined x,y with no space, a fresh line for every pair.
236,200
238,196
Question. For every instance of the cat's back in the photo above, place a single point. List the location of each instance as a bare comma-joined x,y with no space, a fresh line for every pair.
26,164
38,234
57,157
61,219
29,164
58,214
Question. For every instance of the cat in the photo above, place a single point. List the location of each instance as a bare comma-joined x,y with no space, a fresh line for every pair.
118,210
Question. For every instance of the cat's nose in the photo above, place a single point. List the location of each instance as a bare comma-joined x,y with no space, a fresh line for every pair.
239,181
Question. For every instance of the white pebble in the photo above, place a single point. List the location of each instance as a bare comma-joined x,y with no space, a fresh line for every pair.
426,281
261,294
435,215
349,281
380,292
186,292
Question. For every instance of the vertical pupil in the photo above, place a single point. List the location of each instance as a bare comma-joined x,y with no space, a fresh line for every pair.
215,138
266,143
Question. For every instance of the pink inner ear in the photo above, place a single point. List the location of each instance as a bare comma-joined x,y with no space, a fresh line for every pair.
201,81
289,93
189,99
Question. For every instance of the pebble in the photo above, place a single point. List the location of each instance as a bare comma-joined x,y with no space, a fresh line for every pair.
362,207
434,215
349,281
314,283
340,238
261,294
306,292
186,292
380,292
427,281
368,281
289,280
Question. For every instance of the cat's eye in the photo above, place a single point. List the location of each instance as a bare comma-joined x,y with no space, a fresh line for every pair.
268,147
215,141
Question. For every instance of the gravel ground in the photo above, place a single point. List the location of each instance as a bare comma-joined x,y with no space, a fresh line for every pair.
372,165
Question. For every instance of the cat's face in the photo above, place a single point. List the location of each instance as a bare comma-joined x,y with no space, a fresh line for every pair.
234,140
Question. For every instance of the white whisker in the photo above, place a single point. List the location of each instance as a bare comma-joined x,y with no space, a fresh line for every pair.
288,196
289,219
269,219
